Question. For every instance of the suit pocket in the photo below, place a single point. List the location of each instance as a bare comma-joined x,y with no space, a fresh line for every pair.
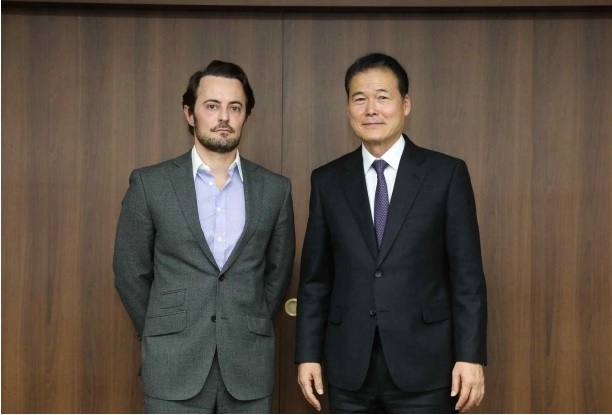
171,299
165,324
437,312
335,315
260,325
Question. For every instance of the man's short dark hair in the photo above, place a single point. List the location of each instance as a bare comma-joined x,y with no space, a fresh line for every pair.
224,70
378,60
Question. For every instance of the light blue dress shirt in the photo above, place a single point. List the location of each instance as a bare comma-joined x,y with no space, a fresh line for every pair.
222,212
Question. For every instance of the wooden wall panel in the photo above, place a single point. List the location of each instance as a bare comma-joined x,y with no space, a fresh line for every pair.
90,94
571,216
86,98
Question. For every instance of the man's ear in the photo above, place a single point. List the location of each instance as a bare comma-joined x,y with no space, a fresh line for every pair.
406,105
188,114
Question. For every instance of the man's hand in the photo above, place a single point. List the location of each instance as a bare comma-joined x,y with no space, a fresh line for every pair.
307,374
468,382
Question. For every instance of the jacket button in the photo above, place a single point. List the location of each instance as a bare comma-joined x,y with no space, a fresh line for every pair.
221,277
378,274
372,313
213,319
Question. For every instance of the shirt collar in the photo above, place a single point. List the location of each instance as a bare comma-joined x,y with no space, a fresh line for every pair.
197,163
392,156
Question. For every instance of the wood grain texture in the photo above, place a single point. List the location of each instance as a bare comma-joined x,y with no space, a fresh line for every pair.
571,219
87,97
524,98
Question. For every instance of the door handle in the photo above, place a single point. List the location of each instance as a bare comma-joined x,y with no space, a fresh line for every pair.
291,307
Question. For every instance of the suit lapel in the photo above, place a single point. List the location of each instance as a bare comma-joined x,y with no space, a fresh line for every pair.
181,176
253,191
356,192
408,181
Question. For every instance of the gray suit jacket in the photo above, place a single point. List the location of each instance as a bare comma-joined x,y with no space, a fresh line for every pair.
182,305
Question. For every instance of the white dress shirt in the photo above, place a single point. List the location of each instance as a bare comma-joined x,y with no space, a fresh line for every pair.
392,157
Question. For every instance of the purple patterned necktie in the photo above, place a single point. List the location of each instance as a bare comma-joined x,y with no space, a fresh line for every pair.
381,200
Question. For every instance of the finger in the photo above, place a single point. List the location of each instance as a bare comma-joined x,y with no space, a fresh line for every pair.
306,386
464,394
455,384
482,392
318,383
313,401
471,402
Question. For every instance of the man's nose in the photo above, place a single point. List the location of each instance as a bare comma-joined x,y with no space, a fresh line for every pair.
371,108
224,114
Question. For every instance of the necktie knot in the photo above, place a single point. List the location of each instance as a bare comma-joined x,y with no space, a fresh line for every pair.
380,166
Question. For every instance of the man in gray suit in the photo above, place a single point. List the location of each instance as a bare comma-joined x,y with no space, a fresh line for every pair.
203,257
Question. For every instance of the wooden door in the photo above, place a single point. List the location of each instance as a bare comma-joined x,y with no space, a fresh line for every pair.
88,94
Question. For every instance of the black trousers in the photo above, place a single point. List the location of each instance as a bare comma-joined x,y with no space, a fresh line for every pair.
380,395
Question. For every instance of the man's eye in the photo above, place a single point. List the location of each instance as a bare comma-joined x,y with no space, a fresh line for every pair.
382,97
235,109
359,99
211,106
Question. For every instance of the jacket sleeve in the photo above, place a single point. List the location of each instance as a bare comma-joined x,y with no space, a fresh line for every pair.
280,253
133,257
469,294
315,283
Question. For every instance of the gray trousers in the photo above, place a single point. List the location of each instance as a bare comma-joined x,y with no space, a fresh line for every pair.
212,399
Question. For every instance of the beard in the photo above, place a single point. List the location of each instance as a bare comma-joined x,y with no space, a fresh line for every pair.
221,145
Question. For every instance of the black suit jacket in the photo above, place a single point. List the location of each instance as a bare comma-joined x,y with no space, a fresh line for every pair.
425,288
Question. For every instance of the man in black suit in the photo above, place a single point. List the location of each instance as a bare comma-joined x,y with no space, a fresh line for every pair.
392,293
